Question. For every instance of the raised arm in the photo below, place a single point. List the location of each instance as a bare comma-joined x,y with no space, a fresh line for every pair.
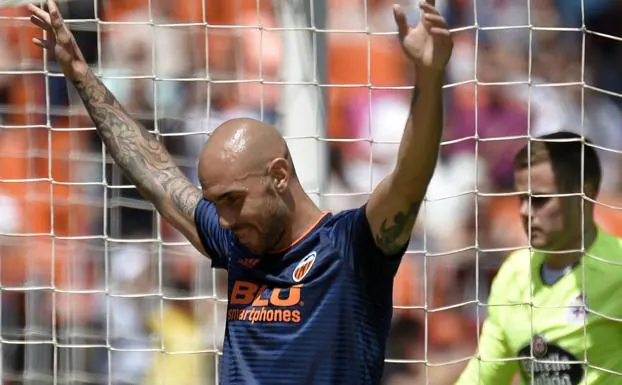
394,204
137,152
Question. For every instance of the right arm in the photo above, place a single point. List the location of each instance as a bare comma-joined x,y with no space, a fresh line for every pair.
487,369
492,347
140,155
143,159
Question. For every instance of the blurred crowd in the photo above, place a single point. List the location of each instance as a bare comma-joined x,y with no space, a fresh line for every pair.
95,288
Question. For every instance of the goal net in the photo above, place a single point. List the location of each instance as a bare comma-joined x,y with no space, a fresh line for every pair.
95,288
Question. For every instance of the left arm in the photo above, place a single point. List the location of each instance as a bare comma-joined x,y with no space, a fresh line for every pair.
394,204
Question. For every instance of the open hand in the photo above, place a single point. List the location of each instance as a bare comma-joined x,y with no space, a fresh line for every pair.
429,44
59,39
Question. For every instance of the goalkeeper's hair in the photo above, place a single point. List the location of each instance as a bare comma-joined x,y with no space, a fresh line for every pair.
570,156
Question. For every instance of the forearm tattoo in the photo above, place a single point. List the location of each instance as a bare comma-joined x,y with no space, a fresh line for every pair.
390,239
140,155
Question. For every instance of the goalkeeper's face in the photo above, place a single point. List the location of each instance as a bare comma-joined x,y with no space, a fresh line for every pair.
552,221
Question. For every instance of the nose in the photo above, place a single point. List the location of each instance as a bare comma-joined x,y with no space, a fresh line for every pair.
525,208
226,219
224,223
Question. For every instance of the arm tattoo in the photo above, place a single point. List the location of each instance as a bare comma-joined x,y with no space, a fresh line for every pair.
140,155
391,239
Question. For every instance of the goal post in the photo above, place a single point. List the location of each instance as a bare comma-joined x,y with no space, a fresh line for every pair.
301,111
96,288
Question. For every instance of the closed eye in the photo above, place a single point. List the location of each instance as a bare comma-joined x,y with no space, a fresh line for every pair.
539,201
536,200
229,199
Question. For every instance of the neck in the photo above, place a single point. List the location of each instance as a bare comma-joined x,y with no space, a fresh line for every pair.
560,261
304,214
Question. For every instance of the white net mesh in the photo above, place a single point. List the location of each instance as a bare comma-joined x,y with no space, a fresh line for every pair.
96,288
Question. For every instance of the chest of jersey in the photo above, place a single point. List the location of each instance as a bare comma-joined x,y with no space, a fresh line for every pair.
556,329
284,292
283,315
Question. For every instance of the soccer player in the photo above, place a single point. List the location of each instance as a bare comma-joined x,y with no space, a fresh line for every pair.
554,316
309,292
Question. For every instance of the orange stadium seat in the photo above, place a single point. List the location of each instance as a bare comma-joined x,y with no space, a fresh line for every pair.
347,64
24,154
609,218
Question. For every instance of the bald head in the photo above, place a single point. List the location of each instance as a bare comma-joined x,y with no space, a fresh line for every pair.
242,147
245,169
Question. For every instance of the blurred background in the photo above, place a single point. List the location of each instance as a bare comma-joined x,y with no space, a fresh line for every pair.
96,289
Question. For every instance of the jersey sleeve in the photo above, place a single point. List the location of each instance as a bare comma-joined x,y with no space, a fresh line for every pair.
356,240
489,368
215,240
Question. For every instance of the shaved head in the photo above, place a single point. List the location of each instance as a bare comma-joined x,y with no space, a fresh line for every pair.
246,169
242,146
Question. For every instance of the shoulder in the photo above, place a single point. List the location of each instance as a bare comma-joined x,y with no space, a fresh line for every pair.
204,207
608,244
343,220
353,216
350,224
348,214
206,218
606,253
517,261
217,241
351,231
206,215
515,271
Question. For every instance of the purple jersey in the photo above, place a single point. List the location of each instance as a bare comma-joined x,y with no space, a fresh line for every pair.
316,313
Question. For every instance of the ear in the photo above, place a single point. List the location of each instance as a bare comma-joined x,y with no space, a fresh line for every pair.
280,173
590,190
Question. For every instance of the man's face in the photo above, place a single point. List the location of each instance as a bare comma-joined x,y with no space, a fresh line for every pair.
554,223
251,208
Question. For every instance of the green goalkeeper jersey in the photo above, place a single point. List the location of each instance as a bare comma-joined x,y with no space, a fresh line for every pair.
568,333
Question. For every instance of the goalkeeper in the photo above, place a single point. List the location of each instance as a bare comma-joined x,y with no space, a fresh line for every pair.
569,335
309,292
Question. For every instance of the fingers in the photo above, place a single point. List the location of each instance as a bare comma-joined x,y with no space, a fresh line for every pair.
53,7
52,22
41,24
435,20
41,19
40,14
55,16
440,31
428,7
401,21
46,44
432,20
